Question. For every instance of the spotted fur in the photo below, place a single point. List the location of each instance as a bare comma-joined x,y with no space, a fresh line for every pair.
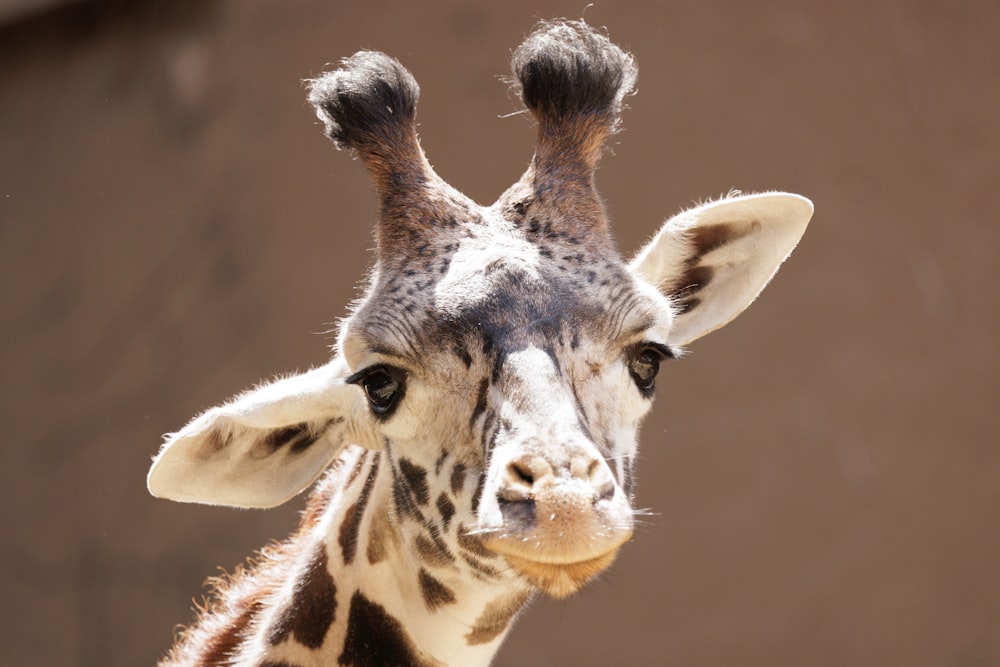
375,639
313,606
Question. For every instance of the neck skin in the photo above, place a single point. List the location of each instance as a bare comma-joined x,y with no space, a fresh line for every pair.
408,589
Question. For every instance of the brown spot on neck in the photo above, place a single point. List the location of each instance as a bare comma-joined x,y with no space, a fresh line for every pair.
435,593
496,617
457,478
375,638
446,509
379,534
311,611
348,537
416,481
433,551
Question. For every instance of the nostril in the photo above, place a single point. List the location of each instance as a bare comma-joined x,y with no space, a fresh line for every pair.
523,477
520,472
598,475
605,490
518,482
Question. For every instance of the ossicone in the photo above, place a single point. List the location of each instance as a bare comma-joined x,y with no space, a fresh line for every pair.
368,103
565,71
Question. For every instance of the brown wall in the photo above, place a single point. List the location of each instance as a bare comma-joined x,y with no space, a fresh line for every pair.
825,472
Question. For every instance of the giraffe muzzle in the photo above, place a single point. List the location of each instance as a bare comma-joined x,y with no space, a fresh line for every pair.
561,524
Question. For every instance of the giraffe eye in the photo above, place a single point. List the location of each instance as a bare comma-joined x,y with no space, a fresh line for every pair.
383,387
645,364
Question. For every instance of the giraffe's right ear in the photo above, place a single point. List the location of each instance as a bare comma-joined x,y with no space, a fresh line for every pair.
713,260
264,446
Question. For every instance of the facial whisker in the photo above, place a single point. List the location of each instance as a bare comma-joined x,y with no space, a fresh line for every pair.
645,511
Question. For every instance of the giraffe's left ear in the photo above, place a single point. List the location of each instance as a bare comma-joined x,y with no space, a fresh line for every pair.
264,446
713,260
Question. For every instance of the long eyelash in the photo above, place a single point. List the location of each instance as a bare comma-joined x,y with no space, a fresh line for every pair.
667,351
356,378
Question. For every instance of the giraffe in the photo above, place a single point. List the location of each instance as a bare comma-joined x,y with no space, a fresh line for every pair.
472,441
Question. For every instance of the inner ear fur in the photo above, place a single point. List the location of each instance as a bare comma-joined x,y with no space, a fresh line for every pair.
713,260
264,446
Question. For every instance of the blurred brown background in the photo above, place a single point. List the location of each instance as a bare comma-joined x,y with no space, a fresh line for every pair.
825,471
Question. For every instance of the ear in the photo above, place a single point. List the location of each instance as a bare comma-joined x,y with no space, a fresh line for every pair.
262,447
713,260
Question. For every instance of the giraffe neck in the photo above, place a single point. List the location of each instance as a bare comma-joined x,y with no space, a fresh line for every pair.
385,573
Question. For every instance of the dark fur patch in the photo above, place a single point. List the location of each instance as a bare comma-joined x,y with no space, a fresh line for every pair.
712,237
687,305
457,478
281,663
439,463
446,508
478,494
369,101
296,436
565,69
432,550
435,593
302,445
518,210
694,280
376,639
416,480
348,537
313,607
409,489
403,500
481,397
378,535
496,617
498,357
463,354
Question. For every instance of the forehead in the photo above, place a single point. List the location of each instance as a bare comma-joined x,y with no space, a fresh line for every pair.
493,283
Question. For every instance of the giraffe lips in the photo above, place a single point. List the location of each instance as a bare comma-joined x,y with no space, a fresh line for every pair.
561,579
554,573
560,537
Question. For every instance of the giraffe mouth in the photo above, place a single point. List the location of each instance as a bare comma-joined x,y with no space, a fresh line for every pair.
561,580
558,572
559,534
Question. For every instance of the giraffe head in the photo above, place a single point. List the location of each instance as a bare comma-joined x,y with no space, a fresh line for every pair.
510,344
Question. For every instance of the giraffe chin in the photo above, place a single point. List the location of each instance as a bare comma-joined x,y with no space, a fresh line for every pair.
561,580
